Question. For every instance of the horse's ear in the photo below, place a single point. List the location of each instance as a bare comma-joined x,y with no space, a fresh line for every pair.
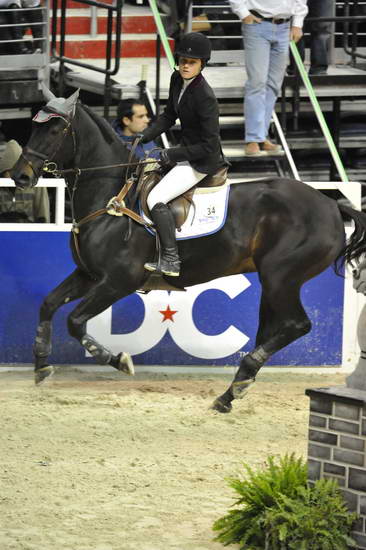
48,95
71,101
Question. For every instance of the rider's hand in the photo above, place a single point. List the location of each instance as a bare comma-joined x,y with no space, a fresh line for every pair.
164,159
250,19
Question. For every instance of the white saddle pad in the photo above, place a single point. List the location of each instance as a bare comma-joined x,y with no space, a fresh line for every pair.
207,217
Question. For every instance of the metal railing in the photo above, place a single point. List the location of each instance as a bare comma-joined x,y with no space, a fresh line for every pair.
112,46
37,56
59,216
349,33
23,25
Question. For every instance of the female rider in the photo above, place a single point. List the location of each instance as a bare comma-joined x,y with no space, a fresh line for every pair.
193,101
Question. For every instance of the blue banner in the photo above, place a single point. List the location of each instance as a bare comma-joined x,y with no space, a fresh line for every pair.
210,324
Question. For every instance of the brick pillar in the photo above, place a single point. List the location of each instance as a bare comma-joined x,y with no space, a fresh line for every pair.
337,449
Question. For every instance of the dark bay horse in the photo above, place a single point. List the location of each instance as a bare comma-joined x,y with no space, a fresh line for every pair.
284,229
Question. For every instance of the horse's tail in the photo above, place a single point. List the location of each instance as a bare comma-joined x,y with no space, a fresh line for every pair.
356,244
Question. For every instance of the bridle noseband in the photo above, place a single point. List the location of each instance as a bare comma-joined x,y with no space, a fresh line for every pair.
49,165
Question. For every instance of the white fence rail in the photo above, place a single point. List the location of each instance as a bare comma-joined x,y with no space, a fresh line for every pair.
351,190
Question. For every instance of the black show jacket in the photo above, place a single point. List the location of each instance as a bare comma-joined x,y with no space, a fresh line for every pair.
198,112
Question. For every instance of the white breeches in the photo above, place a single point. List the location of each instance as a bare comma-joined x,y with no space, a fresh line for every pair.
178,180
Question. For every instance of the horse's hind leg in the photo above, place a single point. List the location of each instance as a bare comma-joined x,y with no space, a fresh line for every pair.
289,323
98,299
75,286
283,320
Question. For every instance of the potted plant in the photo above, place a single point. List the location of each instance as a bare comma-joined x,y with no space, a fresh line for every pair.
278,510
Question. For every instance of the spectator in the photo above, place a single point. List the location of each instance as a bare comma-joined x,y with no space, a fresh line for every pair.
267,27
320,33
14,31
175,12
35,19
18,205
132,119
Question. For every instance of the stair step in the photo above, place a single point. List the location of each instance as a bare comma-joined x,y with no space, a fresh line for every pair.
127,8
81,24
71,5
82,47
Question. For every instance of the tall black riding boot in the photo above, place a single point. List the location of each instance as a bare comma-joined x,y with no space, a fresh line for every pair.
163,219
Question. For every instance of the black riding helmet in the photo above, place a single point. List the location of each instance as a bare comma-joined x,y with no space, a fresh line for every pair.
194,45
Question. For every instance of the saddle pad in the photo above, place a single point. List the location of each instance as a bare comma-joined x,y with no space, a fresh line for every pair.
209,215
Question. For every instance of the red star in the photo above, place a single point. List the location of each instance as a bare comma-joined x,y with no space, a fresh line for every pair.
168,314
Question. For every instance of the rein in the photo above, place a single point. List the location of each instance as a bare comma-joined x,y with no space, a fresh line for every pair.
116,205
55,171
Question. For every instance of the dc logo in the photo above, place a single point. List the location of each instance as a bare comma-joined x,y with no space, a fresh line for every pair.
172,312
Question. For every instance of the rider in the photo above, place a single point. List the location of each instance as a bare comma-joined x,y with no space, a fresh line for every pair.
193,101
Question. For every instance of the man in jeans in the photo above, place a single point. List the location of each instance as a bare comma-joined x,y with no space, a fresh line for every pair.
267,27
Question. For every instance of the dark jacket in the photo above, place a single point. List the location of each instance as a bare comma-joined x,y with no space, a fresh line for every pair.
198,112
143,150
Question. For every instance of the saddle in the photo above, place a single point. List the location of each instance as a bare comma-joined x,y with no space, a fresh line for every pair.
180,205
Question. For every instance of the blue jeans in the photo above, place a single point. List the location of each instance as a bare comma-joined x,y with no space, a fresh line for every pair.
266,54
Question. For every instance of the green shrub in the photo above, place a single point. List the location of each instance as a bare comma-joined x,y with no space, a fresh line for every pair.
277,510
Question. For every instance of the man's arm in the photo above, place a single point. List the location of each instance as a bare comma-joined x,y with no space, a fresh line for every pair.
301,10
240,8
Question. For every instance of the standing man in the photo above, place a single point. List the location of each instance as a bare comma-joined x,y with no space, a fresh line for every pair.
267,27
132,119
320,34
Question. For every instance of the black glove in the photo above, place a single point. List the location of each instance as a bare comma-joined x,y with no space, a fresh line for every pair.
164,159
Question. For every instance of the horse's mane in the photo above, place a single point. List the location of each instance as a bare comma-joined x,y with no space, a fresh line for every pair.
106,130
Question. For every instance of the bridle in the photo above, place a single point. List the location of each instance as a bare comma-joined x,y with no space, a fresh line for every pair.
116,205
48,164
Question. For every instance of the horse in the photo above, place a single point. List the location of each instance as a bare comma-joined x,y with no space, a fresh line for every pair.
281,228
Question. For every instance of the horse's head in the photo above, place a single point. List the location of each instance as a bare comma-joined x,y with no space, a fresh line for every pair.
46,146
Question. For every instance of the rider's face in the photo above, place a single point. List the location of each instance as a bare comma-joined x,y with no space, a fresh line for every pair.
189,67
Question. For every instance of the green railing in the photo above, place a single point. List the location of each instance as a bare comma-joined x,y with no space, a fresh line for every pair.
318,113
162,33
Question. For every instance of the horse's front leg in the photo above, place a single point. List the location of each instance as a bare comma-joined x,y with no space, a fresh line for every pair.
98,299
75,286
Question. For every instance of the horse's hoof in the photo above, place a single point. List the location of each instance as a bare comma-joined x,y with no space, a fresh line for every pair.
220,406
240,389
42,374
126,364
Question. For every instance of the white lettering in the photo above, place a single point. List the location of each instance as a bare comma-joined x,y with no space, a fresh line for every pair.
178,320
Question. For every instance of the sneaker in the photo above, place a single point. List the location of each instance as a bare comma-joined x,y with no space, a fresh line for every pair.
252,149
271,148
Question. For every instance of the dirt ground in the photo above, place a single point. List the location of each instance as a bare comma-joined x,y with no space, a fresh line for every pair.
96,461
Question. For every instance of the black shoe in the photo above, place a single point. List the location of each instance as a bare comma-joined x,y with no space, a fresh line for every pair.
20,49
169,263
317,71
